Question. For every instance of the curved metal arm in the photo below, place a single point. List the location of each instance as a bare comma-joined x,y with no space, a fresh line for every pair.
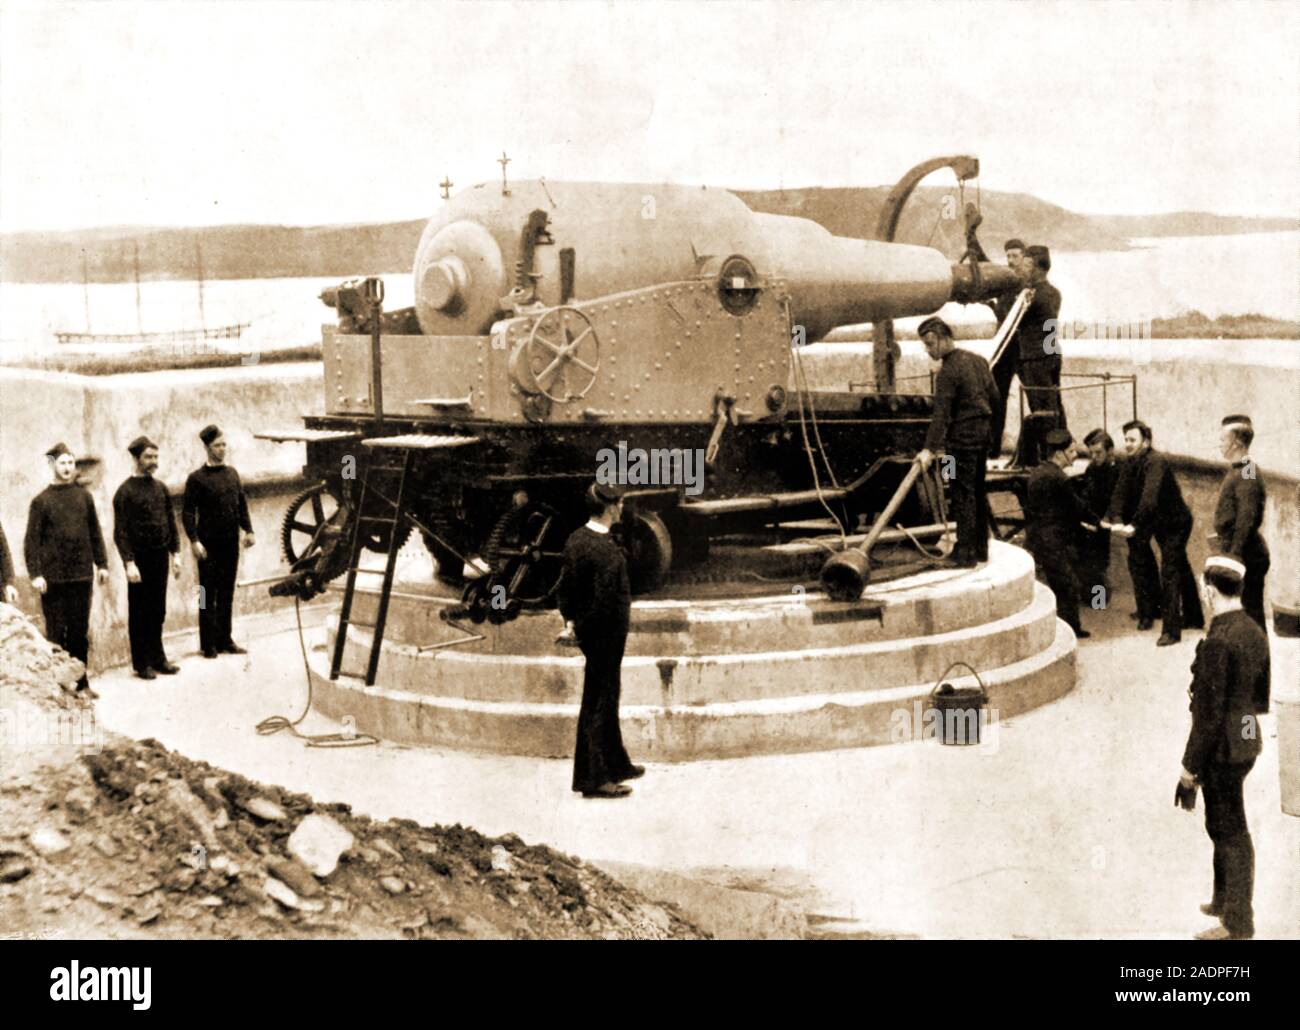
885,350
963,166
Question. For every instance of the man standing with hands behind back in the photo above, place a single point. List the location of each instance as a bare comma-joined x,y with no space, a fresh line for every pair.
215,515
596,602
1240,512
65,554
144,529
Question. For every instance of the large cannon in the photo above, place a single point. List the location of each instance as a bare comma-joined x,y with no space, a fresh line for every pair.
563,330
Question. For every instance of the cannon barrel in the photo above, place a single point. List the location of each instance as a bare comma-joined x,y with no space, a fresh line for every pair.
550,242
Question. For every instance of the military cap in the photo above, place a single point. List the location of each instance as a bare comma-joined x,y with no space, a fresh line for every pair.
209,433
1058,439
1014,244
934,324
1040,255
57,449
1238,420
1225,565
139,445
605,493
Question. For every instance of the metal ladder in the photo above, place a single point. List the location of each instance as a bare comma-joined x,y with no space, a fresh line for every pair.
357,547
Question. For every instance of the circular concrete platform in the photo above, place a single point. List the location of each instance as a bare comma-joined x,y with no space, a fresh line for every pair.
784,672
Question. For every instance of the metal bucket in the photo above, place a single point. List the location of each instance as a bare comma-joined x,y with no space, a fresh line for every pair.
960,710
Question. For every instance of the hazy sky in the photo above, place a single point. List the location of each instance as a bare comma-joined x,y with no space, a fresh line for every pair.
331,111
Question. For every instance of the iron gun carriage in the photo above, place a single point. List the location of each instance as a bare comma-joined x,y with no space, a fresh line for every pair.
652,331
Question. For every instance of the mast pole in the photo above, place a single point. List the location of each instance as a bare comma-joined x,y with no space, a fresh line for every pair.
198,252
85,288
139,316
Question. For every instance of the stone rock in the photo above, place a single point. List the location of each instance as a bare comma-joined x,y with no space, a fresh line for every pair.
105,897
502,860
427,847
48,841
180,797
12,870
393,884
212,788
370,855
294,874
106,846
382,845
222,819
79,802
317,843
312,904
143,886
182,879
224,865
277,890
211,901
264,808
149,914
148,791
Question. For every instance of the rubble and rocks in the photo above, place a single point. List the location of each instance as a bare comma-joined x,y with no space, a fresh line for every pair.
319,841
122,838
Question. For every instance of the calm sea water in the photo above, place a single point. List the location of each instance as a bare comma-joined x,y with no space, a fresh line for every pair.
1212,274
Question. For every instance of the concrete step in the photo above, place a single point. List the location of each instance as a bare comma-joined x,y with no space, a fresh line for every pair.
671,732
556,678
787,619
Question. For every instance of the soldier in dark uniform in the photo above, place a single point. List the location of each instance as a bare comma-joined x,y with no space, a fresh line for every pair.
1148,504
1230,689
215,516
144,529
1038,337
1004,368
64,550
965,398
1052,517
1095,487
7,582
596,602
1240,512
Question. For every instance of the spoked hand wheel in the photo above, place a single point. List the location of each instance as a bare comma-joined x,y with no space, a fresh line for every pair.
560,359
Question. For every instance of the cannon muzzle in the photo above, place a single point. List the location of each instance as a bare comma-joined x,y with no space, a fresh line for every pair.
983,280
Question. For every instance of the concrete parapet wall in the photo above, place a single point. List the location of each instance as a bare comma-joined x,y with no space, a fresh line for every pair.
98,416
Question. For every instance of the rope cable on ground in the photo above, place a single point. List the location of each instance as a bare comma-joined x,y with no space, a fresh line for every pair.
276,723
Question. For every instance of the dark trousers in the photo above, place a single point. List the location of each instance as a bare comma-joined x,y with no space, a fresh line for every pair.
1179,599
67,619
1094,560
599,756
1234,852
969,506
1145,574
1038,376
1056,560
1252,585
146,609
217,593
1003,372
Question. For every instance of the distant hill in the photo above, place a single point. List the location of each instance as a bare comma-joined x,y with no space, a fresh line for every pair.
271,251
1191,223
228,252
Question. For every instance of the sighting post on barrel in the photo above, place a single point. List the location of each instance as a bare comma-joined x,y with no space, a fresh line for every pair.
375,301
